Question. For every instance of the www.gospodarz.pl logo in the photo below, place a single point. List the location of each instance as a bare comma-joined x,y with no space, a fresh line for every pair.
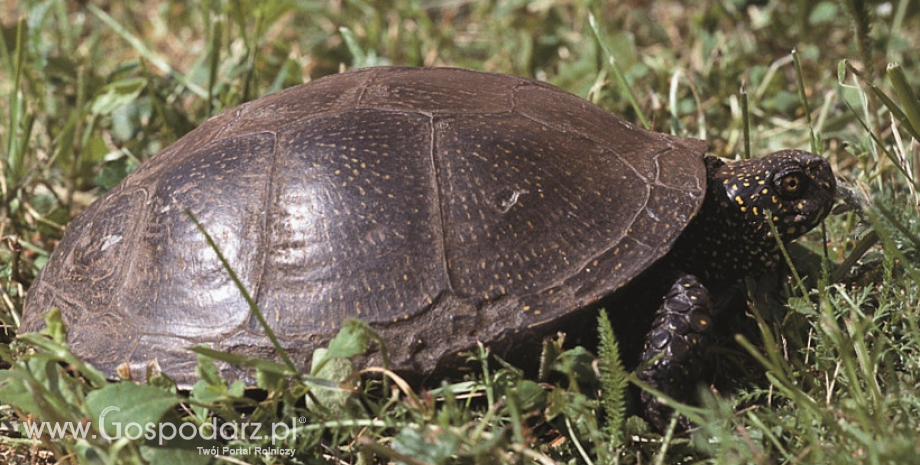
163,432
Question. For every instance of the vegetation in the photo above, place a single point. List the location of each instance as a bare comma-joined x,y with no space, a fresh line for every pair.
88,90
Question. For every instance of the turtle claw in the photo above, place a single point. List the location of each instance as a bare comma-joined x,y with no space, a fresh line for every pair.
680,334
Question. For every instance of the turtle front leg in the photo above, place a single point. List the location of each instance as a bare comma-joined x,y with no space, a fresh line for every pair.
680,333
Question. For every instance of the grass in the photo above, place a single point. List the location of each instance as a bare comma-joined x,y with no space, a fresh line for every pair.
89,90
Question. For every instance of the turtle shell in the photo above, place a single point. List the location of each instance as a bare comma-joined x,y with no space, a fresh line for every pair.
442,206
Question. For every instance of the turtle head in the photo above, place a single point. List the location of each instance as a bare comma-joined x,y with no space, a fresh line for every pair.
794,188
731,236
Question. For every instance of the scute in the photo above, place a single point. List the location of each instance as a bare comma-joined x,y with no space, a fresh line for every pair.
520,213
442,206
352,230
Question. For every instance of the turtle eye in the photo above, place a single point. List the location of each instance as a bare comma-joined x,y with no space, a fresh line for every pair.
790,185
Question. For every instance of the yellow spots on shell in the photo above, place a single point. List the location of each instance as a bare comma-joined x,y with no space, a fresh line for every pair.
765,191
739,200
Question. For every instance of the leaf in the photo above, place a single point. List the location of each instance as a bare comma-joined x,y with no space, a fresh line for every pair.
207,370
353,339
185,452
210,392
614,379
54,326
112,173
117,407
823,13
530,396
116,95
333,397
94,150
803,305
176,442
576,363
14,384
434,446
56,347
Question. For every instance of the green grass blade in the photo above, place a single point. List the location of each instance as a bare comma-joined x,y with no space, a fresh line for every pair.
245,292
889,241
15,145
890,104
145,52
673,103
812,138
216,32
617,72
908,99
746,122
892,157
800,284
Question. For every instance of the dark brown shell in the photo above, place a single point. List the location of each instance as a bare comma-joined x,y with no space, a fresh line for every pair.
442,206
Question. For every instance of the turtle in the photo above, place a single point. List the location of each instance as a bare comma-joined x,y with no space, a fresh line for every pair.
444,207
